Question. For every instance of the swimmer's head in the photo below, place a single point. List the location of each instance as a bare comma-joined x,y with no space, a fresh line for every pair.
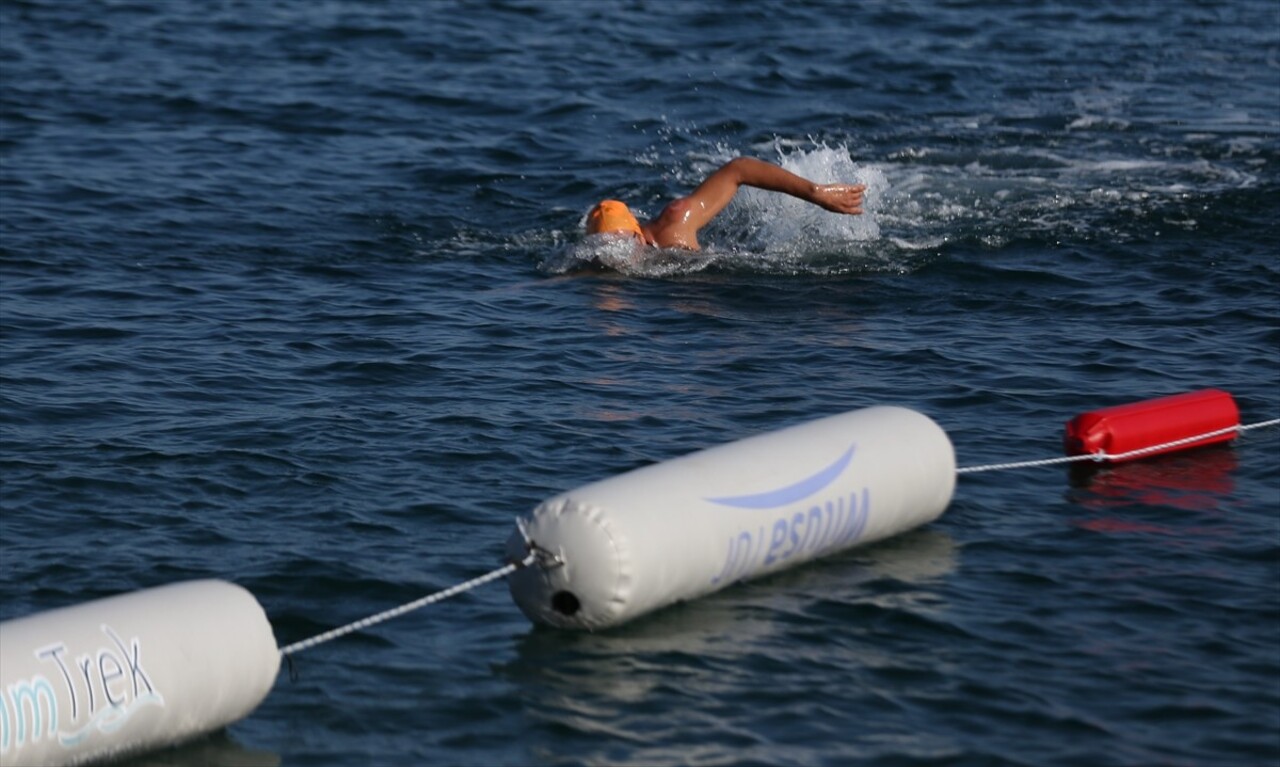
612,217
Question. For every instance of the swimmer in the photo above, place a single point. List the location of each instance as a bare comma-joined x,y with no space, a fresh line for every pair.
678,224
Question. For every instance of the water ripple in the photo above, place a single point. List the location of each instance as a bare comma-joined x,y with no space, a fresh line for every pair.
299,298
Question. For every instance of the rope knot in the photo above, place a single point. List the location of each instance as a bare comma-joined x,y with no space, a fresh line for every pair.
542,557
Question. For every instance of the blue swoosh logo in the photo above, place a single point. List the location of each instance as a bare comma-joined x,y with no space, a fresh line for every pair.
110,719
791,493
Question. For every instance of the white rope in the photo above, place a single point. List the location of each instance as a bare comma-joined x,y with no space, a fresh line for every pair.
536,554
1025,464
1102,455
396,612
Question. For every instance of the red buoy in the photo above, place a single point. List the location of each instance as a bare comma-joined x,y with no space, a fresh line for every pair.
1138,425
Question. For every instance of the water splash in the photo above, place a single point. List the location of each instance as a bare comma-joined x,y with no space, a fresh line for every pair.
772,221
922,203
624,255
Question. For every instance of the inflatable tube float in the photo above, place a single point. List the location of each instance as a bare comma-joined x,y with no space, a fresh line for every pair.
619,548
131,673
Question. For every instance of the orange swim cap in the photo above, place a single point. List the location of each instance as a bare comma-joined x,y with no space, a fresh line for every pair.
611,217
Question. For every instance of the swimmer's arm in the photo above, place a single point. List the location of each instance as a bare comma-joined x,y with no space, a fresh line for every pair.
718,190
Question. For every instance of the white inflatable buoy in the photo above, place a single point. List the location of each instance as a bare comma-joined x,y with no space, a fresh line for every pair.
132,672
673,531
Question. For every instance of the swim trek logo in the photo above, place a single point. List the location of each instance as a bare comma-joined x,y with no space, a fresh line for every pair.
807,529
104,689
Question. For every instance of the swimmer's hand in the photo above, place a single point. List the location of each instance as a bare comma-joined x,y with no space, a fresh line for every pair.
839,198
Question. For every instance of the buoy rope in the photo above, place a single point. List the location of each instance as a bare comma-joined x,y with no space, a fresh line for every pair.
536,554
396,612
1102,455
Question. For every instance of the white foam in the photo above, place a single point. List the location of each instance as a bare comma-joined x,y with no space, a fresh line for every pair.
917,201
624,255
771,222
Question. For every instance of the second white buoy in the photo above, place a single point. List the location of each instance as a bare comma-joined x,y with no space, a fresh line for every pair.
676,530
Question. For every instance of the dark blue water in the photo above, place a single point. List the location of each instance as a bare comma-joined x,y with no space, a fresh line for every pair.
293,294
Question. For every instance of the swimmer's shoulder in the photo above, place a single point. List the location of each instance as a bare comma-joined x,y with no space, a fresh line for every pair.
672,228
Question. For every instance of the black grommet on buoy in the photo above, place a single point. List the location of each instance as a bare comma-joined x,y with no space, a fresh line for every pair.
565,602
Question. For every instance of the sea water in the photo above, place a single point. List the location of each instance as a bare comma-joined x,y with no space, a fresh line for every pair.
295,295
